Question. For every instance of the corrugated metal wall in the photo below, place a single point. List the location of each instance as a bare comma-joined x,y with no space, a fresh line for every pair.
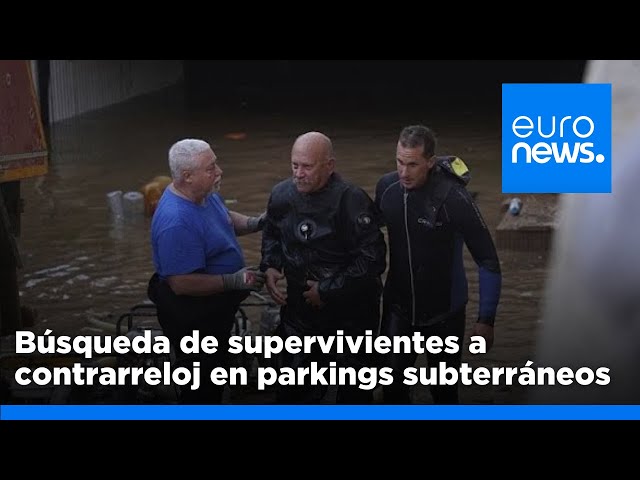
79,86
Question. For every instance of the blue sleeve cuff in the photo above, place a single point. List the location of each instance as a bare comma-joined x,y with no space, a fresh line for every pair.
490,287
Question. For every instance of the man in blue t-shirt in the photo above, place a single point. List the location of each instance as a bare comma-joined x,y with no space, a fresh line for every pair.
200,275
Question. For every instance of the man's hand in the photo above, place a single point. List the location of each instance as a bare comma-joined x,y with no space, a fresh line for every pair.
312,296
273,276
244,279
485,331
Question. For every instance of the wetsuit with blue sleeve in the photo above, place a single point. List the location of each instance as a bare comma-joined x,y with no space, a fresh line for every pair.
426,286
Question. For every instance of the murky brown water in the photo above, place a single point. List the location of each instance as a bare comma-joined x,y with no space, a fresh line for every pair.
79,265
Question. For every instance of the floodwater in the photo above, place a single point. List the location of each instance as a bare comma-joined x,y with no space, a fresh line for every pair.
80,266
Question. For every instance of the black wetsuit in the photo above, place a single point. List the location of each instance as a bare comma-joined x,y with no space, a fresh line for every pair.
426,286
332,236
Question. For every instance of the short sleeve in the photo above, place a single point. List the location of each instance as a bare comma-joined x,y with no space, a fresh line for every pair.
180,251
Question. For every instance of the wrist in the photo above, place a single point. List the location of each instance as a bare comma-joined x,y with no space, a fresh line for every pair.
226,281
255,224
486,320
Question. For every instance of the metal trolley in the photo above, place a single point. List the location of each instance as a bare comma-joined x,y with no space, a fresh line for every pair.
257,315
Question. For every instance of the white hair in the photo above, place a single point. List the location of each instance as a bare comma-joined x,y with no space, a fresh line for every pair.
182,155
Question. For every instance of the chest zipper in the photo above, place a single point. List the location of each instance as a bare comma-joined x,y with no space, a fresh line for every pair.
406,230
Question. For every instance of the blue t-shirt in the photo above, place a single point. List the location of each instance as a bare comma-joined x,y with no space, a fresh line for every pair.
189,238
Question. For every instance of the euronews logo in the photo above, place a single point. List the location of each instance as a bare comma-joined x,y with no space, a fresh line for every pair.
556,138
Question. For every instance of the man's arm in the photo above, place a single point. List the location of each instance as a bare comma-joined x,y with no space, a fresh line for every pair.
381,189
272,259
480,243
271,250
244,224
477,237
202,284
196,284
361,220
181,253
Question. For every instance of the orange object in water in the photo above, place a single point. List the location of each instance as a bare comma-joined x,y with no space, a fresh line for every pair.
152,192
236,136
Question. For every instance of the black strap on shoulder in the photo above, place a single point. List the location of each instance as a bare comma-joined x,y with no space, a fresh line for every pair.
448,171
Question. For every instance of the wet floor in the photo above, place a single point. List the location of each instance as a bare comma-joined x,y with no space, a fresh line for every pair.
80,265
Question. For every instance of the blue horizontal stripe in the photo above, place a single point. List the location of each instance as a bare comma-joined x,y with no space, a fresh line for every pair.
320,412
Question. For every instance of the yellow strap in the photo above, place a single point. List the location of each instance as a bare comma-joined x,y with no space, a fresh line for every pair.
459,167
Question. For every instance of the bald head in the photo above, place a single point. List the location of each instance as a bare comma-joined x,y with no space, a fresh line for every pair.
312,161
316,143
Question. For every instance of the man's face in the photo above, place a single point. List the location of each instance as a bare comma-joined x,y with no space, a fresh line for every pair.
206,177
311,169
413,167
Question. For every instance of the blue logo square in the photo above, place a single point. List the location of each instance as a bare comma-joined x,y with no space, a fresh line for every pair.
556,138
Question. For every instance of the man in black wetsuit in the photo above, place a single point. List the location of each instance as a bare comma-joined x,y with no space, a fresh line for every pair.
323,234
429,216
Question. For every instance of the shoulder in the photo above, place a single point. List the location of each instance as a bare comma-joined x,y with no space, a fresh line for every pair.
454,168
458,196
349,192
168,209
217,199
282,188
389,178
351,188
173,212
386,183
281,198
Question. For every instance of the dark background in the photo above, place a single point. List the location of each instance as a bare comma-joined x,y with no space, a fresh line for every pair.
364,84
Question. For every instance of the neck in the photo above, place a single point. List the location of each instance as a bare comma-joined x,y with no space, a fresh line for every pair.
186,195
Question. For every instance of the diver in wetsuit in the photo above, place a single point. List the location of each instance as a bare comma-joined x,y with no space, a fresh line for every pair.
429,216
